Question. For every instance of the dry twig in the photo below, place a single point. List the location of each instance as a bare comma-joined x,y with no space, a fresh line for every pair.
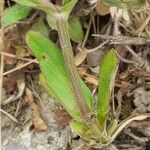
20,67
125,40
87,31
14,56
2,57
9,115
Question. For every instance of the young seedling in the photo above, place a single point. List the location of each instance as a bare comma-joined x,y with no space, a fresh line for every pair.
52,65
55,80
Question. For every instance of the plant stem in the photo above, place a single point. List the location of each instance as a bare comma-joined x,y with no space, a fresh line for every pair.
63,33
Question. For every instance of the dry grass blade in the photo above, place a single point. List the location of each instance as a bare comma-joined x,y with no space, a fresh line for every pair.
1,76
14,56
124,123
1,49
20,67
2,57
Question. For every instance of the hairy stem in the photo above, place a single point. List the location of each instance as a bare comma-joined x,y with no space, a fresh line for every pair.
63,33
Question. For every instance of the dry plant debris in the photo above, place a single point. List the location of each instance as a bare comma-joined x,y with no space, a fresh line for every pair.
104,27
38,123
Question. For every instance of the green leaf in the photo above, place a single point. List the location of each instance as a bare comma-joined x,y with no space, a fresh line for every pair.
75,30
51,20
52,73
74,25
81,129
112,127
43,82
67,8
44,5
53,69
15,13
107,75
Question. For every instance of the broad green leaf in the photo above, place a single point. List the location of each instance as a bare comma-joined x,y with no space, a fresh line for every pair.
53,69
53,75
107,75
75,30
15,13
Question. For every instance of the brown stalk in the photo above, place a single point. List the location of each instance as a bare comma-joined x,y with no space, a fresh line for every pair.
63,33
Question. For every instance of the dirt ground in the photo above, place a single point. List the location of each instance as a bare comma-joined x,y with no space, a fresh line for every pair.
33,120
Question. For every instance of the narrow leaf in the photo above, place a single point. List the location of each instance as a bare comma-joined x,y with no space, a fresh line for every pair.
15,13
67,8
107,75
